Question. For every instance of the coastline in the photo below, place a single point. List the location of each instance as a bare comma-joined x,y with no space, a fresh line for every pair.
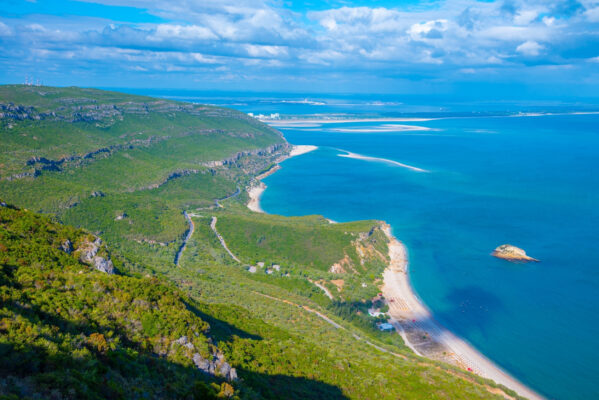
255,191
425,336
410,317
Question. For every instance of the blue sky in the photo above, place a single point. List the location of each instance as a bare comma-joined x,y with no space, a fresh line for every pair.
510,48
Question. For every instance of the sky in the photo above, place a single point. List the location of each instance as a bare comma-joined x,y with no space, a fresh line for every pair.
511,48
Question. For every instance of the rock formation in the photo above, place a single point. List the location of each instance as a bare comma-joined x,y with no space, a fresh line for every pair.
88,253
215,364
512,253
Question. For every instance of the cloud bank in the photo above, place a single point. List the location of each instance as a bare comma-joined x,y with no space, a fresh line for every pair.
199,43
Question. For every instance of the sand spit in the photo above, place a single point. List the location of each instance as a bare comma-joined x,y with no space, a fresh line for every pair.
424,335
295,122
382,128
377,159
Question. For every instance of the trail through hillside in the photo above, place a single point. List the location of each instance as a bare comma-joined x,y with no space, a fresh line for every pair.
221,239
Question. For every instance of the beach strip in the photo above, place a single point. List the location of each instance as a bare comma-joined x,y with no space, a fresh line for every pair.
425,336
256,190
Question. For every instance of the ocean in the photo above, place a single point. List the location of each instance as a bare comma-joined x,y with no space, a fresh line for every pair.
484,175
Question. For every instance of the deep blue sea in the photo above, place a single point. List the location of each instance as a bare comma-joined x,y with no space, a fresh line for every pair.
531,181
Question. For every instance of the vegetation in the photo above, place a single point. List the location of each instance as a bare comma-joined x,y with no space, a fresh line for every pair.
126,168
67,330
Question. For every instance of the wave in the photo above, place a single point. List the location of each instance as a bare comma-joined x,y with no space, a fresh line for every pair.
378,159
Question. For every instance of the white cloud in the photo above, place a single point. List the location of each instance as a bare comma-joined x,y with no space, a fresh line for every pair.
515,33
200,58
35,28
525,17
529,48
494,60
5,30
428,30
265,51
592,14
166,31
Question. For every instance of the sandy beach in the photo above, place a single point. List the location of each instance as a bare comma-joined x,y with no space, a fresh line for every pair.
255,192
424,335
410,317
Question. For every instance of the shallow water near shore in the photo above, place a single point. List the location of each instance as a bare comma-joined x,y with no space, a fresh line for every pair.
529,181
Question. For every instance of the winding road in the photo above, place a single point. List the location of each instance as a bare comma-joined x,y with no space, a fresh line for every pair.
187,237
237,192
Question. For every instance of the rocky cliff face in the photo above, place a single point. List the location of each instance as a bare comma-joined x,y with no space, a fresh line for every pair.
282,147
75,110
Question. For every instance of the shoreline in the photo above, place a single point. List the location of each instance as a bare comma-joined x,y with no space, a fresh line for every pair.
255,191
425,336
408,314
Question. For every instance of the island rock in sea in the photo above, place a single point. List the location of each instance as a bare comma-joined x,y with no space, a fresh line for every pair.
512,253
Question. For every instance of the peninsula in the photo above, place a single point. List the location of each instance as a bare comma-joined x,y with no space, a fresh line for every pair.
231,303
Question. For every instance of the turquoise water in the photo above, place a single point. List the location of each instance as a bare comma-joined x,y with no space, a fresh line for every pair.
529,181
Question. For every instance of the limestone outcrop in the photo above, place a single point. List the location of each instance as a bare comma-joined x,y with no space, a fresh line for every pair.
214,365
89,253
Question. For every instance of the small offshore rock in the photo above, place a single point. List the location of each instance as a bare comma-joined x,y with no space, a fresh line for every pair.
512,253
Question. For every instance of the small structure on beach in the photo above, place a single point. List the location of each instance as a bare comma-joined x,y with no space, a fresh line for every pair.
385,327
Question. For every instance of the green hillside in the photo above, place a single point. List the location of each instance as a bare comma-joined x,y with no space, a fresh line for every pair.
125,169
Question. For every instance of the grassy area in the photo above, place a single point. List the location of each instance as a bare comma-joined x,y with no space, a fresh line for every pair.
311,247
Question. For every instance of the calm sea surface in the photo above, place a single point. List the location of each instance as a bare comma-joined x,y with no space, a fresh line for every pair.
529,181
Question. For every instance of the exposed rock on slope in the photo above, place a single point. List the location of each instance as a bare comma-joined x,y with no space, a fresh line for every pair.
512,253
366,252
215,364
88,253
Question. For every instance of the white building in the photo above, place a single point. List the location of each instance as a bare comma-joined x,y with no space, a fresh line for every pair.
386,327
